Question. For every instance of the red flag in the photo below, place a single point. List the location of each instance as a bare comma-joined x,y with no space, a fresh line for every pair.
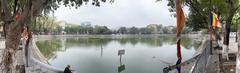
179,55
180,25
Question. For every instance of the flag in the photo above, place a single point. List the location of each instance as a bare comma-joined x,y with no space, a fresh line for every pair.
180,18
214,21
180,24
179,56
178,67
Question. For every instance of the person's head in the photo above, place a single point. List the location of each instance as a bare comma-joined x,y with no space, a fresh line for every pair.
68,66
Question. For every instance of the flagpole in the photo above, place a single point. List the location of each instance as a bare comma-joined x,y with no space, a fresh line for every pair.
210,29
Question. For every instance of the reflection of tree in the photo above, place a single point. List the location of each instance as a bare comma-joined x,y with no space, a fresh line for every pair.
158,41
122,41
87,42
187,43
134,41
169,40
151,41
48,47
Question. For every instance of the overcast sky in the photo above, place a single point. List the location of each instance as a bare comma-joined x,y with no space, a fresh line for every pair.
127,13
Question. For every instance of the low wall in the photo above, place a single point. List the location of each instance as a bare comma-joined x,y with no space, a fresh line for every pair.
238,55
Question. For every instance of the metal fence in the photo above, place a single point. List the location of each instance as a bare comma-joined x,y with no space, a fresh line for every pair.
201,63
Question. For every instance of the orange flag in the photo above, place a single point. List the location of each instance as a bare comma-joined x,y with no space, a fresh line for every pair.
180,18
180,25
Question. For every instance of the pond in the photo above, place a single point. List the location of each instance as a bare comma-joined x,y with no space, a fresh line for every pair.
100,55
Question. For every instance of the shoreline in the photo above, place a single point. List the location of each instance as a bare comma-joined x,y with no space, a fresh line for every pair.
118,36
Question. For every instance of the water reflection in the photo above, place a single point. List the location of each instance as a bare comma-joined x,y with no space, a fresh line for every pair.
89,42
101,51
48,47
99,55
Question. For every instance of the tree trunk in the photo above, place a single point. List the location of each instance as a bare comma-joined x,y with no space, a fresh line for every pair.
13,28
227,30
12,41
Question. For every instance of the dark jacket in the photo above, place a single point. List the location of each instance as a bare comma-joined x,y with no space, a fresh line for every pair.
67,70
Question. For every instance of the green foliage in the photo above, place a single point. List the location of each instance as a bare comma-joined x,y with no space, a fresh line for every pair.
145,30
199,10
122,30
195,22
88,29
48,25
52,5
133,30
45,24
101,30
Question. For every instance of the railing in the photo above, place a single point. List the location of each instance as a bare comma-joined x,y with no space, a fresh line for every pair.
199,60
201,63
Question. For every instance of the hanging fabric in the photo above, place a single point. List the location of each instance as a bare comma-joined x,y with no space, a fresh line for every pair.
180,24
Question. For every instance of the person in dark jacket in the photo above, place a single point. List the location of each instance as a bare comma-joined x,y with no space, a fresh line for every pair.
67,69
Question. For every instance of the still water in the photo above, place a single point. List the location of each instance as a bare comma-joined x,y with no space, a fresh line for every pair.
100,55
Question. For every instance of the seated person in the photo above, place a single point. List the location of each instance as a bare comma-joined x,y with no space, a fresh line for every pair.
67,69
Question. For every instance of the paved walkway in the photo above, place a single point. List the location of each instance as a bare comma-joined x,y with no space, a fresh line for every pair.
215,62
37,62
220,65
238,56
229,66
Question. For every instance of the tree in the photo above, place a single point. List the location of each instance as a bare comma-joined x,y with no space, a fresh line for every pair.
194,22
101,30
17,14
89,28
133,30
165,30
226,9
44,24
122,30
145,30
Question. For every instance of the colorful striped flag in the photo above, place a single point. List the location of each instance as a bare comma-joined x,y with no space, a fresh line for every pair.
180,25
214,21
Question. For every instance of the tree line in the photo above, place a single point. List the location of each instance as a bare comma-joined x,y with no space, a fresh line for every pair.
48,25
